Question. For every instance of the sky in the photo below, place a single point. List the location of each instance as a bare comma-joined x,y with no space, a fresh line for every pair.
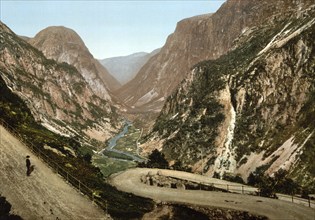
108,28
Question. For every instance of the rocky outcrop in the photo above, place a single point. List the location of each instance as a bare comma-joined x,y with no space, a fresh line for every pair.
65,45
56,93
196,39
251,108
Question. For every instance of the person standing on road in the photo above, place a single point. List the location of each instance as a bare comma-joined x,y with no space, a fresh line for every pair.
28,165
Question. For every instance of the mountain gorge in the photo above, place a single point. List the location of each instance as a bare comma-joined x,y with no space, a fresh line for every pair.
230,94
194,40
58,96
251,108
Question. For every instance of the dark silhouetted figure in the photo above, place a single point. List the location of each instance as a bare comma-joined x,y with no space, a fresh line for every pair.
28,165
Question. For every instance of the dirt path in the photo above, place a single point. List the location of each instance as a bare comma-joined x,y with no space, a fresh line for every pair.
129,181
42,195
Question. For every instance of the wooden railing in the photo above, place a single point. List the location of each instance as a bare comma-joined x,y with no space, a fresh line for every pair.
75,182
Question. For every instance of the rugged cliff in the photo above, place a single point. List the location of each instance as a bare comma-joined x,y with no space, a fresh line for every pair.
253,107
56,93
65,45
194,40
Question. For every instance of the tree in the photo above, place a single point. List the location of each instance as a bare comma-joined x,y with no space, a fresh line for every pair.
87,157
268,186
284,184
157,160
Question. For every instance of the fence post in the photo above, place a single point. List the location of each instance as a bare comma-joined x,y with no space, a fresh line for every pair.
309,201
242,189
292,199
227,187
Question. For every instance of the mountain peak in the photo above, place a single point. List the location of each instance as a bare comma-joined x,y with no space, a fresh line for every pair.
53,40
65,45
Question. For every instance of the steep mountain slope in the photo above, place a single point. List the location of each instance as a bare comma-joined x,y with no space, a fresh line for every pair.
66,155
65,45
196,39
125,68
57,95
43,194
253,107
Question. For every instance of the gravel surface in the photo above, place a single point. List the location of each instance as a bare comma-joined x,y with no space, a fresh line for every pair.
43,194
129,181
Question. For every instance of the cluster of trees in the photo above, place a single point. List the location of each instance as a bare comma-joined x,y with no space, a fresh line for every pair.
268,186
157,160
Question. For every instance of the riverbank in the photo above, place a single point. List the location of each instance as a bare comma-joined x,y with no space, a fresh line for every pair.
120,153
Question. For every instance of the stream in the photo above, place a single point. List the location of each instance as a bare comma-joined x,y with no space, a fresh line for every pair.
113,142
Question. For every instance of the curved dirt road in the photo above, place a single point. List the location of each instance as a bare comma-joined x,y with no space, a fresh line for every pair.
129,181
42,195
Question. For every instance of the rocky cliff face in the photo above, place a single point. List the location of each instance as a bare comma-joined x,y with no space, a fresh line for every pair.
253,107
56,93
125,68
196,39
65,45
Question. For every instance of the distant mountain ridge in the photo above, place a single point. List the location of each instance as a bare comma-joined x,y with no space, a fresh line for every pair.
65,45
125,68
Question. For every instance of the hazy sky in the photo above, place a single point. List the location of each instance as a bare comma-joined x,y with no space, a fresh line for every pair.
108,28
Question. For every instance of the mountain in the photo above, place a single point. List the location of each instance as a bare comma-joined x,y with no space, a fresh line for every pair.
252,108
125,68
65,45
194,40
58,96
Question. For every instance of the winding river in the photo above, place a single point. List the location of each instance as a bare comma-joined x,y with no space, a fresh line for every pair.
113,142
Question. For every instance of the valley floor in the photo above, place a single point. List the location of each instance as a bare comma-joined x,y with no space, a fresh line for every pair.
43,194
130,181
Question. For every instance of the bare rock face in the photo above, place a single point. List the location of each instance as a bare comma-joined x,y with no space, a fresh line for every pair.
194,40
65,45
58,96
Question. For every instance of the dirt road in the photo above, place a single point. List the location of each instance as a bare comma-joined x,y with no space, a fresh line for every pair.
42,195
129,181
